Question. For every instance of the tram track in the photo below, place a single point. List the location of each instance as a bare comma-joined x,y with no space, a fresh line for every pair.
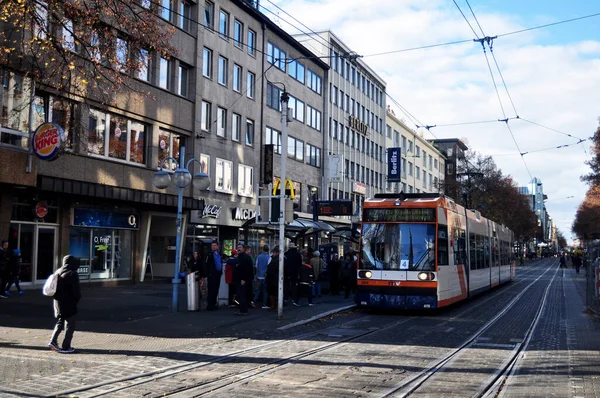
250,373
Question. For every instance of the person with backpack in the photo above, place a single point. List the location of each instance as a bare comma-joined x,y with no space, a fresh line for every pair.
66,298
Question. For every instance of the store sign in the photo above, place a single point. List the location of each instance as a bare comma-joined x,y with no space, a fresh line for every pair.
357,125
48,141
105,219
393,161
211,211
83,270
41,209
242,214
360,188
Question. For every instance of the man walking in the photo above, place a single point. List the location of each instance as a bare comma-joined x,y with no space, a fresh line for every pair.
66,299
262,264
3,267
214,270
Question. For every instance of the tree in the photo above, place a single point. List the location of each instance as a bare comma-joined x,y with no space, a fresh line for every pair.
562,241
83,48
593,178
587,218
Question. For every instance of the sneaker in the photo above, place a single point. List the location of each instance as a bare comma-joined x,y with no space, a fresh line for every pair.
53,346
296,304
310,304
7,294
3,296
69,350
265,307
252,304
241,313
21,292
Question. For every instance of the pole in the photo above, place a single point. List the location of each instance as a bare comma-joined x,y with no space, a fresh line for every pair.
284,106
176,281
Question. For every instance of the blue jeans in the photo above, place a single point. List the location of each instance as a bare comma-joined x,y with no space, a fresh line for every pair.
262,287
316,288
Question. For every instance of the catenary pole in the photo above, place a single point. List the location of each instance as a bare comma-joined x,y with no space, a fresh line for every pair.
284,106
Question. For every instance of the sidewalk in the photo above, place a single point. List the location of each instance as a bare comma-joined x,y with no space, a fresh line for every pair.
132,326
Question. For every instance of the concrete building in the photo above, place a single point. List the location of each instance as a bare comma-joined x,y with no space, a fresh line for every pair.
355,114
97,200
534,190
422,164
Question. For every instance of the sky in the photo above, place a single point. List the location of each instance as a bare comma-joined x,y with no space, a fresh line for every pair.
552,75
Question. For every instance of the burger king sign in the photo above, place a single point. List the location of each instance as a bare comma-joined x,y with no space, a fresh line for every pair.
48,141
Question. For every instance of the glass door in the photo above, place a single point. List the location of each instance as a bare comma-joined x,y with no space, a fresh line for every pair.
46,260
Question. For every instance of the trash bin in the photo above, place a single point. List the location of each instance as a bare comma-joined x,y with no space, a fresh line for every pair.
192,291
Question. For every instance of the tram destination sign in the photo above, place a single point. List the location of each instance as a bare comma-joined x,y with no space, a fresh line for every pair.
335,207
399,215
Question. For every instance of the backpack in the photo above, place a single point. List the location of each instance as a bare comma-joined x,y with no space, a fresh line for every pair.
51,284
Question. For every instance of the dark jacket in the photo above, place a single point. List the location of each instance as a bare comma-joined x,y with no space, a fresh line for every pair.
68,293
272,277
306,276
13,266
293,262
197,265
3,260
210,267
244,270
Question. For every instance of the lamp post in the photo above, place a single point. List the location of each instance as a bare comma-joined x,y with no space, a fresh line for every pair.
315,210
284,111
181,178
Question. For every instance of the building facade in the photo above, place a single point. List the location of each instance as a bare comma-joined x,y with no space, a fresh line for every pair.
422,165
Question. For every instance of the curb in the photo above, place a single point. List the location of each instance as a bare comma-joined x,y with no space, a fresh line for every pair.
318,316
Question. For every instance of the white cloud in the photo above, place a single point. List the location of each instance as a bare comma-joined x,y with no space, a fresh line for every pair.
554,85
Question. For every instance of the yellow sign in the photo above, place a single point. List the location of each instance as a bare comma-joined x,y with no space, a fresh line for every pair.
289,183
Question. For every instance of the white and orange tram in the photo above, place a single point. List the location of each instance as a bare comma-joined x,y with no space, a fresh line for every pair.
424,251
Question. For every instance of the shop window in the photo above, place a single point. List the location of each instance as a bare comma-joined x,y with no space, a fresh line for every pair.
126,138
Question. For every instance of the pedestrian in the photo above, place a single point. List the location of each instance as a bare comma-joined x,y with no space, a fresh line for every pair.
316,262
262,264
242,277
349,274
66,299
4,267
293,262
195,264
251,284
272,278
230,266
334,275
14,271
214,272
306,279
562,262
577,261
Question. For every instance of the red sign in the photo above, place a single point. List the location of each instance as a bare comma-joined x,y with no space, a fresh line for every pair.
41,209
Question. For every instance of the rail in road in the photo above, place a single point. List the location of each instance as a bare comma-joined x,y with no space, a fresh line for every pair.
223,370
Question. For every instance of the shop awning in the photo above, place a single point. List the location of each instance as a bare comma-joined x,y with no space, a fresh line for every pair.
347,234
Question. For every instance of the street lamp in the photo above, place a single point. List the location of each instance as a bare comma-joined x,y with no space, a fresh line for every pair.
182,178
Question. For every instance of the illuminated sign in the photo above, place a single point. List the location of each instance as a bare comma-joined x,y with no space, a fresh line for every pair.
399,215
335,208
48,141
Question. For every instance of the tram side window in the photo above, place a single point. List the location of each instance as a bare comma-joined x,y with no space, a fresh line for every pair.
442,248
472,251
459,247
486,253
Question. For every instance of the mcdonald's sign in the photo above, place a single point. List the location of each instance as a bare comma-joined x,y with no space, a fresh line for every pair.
288,191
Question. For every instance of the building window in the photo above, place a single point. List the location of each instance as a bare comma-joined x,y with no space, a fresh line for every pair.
209,14
221,121
313,118
313,155
68,39
236,127
297,71
224,24
295,148
297,108
165,66
116,137
249,132
250,81
168,146
251,42
435,163
144,68
205,163
223,175
165,10
276,56
273,136
222,77
237,78
183,81
313,81
205,122
273,96
238,32
121,54
207,62
245,180
424,158
185,12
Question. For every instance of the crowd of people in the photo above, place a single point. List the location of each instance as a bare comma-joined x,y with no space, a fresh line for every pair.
253,282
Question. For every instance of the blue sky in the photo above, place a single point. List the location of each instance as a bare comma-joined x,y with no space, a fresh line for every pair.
553,77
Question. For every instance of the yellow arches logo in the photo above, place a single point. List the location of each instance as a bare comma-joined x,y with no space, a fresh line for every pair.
288,183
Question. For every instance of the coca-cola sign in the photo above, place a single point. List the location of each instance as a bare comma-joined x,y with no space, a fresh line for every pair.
211,211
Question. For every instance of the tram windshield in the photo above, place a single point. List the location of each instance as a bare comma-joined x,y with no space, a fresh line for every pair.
409,247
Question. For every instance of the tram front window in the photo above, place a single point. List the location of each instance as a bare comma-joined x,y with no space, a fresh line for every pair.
409,247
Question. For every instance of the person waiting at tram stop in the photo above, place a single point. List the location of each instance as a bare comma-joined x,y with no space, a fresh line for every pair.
242,277
292,264
214,271
316,262
262,264
230,266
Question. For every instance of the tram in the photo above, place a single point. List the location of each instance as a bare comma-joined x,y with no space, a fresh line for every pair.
424,251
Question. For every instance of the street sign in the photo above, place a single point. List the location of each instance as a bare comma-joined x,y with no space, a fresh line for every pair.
335,207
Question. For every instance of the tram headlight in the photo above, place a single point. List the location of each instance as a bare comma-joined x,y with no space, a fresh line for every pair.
426,276
365,274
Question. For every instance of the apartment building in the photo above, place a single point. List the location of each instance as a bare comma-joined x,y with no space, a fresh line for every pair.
422,164
97,200
355,114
